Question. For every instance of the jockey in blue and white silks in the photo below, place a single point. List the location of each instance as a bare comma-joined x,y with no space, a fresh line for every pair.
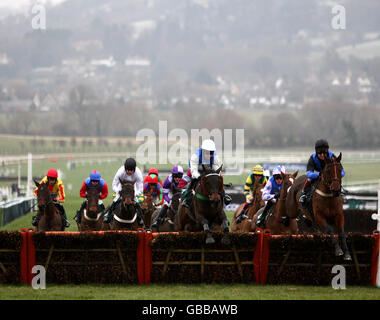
271,192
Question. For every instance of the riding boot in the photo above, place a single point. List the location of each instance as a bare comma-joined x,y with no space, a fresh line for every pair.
242,215
36,219
187,195
227,199
261,218
78,216
108,215
63,214
140,219
305,194
161,216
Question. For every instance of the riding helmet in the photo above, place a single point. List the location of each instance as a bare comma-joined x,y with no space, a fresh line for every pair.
208,145
177,169
258,169
130,164
321,144
95,175
52,173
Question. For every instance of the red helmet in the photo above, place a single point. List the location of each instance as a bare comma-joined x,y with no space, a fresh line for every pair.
150,179
52,173
153,171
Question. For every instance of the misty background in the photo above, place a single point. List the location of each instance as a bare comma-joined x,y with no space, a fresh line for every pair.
276,68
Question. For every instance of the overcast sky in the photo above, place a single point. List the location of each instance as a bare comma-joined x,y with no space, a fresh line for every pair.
21,4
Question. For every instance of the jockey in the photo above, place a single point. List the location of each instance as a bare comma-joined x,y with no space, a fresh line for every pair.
316,163
55,186
93,181
206,156
128,172
152,185
174,179
154,172
254,178
271,193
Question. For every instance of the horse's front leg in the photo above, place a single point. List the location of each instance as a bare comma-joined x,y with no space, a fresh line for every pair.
339,222
334,242
226,229
206,229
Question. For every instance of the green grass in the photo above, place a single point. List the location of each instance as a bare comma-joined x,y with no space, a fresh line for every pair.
187,292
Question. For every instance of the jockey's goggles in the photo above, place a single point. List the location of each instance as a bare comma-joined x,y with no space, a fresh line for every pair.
277,177
257,175
320,151
177,175
52,179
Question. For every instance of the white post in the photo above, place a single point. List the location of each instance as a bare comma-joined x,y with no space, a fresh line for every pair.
19,175
377,217
30,176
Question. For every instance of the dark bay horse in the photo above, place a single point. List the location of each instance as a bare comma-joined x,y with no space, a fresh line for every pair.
208,208
326,203
125,214
277,220
148,208
51,219
168,225
256,204
92,219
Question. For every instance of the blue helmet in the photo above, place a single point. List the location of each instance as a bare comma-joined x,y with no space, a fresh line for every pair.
95,176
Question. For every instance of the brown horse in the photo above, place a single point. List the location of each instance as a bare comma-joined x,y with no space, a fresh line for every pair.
168,225
277,220
125,214
326,203
51,219
92,219
208,208
255,205
148,208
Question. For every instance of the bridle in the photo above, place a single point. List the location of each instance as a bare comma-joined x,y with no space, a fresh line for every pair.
334,179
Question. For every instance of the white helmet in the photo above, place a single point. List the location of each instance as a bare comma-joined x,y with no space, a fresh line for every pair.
208,145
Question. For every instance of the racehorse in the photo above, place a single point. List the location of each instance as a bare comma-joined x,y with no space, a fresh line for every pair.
208,208
326,203
51,219
168,225
277,220
92,219
254,206
148,208
125,214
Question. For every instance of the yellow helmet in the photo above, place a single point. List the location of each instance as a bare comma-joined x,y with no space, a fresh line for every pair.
258,169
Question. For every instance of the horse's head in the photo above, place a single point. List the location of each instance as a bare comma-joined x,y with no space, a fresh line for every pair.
92,199
288,181
43,195
332,174
257,194
147,203
127,192
212,185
